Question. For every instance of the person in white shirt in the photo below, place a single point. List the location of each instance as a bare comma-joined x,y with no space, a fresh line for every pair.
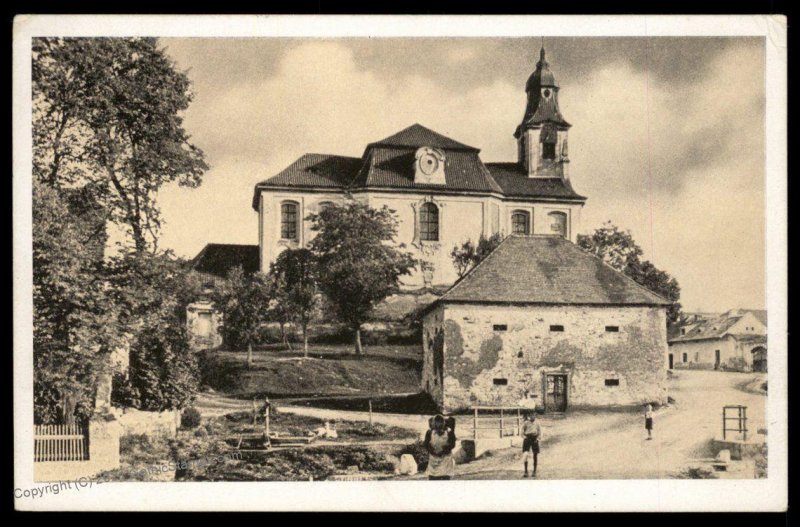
531,434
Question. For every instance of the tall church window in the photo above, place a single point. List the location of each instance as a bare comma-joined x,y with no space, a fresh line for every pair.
558,223
520,222
324,205
289,220
429,222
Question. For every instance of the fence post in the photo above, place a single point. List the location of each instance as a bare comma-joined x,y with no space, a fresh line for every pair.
723,422
475,425
501,423
370,413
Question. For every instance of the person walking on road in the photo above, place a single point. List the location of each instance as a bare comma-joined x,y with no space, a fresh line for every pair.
648,421
531,434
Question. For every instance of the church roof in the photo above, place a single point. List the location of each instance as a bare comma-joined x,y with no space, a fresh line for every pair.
514,182
219,258
389,164
393,167
417,135
545,269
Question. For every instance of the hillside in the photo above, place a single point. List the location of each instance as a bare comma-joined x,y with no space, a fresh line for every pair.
329,370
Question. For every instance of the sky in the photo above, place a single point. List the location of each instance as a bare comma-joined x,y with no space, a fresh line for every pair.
667,137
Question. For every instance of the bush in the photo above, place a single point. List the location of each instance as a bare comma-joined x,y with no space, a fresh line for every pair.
123,394
697,473
190,418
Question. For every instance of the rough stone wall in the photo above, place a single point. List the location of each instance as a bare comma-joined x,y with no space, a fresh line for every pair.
433,354
477,353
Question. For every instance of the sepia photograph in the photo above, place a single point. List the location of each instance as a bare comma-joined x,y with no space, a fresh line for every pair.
284,257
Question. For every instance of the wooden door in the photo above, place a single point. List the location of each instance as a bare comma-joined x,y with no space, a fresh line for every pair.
556,393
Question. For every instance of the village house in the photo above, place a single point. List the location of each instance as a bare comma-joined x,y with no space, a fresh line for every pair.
735,340
540,318
442,192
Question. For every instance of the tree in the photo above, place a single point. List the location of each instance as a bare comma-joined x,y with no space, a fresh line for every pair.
294,274
244,301
469,254
152,292
108,112
74,317
358,262
619,250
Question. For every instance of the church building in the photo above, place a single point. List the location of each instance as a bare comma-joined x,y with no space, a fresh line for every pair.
441,190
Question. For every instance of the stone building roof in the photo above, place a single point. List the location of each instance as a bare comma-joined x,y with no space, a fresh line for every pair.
389,164
543,269
217,259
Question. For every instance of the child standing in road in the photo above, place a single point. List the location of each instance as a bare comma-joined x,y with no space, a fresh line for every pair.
648,421
531,433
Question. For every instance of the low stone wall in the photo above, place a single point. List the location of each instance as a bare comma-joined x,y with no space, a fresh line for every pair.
135,422
103,455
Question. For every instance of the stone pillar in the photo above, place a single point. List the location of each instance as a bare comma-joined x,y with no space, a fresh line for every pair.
104,444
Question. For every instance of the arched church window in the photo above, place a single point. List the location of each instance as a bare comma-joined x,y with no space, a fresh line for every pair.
558,223
289,219
324,205
520,222
429,222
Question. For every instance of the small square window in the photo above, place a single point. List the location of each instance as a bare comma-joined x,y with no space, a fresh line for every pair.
612,382
500,382
612,329
556,327
500,327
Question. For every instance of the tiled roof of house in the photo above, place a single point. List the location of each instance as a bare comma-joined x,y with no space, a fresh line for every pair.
547,270
514,181
718,327
219,258
389,164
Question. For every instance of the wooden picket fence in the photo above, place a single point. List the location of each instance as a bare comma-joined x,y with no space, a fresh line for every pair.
60,443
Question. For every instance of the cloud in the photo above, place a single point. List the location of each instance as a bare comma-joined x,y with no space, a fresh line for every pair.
679,160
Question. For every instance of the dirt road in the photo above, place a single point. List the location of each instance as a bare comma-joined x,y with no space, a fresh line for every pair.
682,433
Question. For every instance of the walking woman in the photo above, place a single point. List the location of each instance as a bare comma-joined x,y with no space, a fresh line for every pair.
440,440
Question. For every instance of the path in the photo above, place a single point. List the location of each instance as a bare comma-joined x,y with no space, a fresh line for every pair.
682,434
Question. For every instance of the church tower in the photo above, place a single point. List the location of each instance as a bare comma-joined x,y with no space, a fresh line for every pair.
542,134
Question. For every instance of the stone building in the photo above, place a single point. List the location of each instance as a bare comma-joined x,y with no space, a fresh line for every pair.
735,340
441,190
213,263
541,319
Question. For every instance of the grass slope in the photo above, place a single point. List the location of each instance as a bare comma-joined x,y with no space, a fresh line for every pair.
329,370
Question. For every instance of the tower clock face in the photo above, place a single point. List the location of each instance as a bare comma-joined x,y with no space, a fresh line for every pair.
546,93
428,164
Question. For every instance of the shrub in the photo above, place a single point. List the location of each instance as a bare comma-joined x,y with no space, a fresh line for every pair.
697,473
123,394
190,418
